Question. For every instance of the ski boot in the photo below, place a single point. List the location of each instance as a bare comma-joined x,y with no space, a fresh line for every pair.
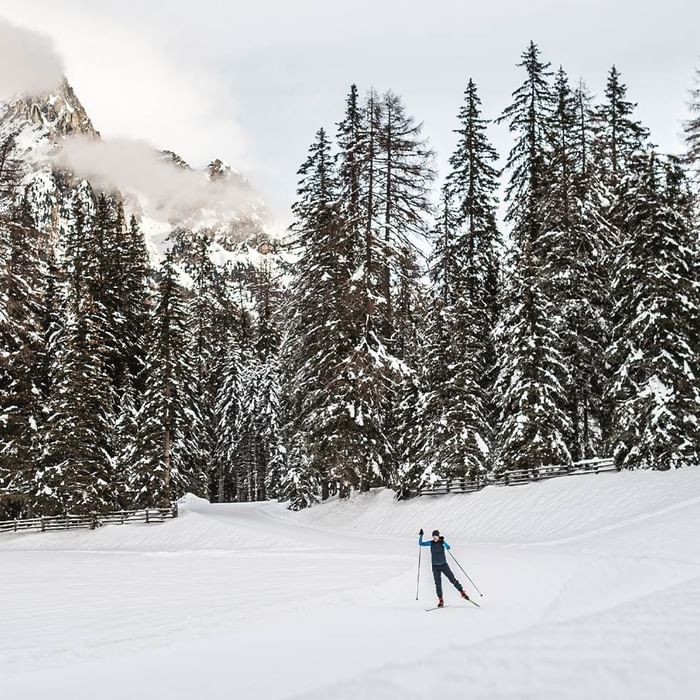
441,603
464,595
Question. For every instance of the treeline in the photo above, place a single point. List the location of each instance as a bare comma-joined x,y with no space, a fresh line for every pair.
391,343
574,334
120,385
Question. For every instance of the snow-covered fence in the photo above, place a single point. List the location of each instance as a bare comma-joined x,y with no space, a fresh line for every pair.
519,476
92,521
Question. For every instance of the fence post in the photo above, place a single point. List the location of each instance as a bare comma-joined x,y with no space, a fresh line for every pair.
147,516
43,525
175,509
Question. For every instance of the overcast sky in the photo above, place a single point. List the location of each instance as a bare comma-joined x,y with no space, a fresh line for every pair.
251,82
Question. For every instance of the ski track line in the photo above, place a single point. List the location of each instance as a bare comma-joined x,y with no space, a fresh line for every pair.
401,670
604,529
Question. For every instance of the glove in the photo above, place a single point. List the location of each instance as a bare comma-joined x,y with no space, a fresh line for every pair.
442,539
421,532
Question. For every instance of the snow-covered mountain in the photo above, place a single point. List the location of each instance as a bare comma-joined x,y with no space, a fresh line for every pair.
48,130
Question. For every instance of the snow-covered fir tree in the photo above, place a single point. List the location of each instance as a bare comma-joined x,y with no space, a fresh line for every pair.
573,243
531,387
252,443
619,135
458,356
655,390
75,471
691,127
528,118
313,347
22,276
170,413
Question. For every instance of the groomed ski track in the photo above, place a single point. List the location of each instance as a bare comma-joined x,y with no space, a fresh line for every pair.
592,589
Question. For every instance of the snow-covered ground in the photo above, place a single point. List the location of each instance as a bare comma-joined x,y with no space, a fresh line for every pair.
591,583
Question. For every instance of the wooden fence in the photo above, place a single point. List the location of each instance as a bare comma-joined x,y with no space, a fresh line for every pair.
518,476
73,522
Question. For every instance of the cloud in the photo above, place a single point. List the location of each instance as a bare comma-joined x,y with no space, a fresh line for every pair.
166,191
133,84
139,89
29,61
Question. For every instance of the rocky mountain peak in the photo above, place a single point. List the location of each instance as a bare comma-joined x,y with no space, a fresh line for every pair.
58,112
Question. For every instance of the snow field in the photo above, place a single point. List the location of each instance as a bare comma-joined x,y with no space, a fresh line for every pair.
592,589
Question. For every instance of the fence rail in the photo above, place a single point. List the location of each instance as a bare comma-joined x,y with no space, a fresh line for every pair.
518,476
73,522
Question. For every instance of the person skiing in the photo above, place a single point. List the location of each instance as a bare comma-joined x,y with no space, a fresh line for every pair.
438,546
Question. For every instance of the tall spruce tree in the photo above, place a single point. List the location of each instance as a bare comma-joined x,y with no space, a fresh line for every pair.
255,448
619,136
135,302
574,240
75,473
528,118
531,385
534,422
656,385
351,164
458,355
22,278
170,414
691,127
312,349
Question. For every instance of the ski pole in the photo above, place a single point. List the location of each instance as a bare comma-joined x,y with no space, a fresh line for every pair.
418,577
466,574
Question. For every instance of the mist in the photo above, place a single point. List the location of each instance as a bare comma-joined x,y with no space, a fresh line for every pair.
165,190
30,63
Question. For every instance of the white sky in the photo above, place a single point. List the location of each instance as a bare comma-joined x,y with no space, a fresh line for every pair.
252,82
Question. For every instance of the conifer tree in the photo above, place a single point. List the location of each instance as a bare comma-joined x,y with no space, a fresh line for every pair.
528,118
574,239
169,416
336,369
253,446
403,176
21,399
312,343
226,486
75,472
458,354
351,164
655,389
135,300
691,127
363,385
531,385
124,432
201,312
619,136
471,185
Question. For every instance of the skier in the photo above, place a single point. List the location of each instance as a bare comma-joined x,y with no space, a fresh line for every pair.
437,552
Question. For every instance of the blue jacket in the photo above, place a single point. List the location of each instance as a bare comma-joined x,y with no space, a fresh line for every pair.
437,550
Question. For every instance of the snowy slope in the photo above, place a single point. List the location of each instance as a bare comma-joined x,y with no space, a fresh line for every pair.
592,589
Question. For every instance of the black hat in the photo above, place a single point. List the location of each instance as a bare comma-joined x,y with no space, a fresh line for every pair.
436,532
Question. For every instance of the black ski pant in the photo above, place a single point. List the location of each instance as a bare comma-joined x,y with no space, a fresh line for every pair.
438,570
